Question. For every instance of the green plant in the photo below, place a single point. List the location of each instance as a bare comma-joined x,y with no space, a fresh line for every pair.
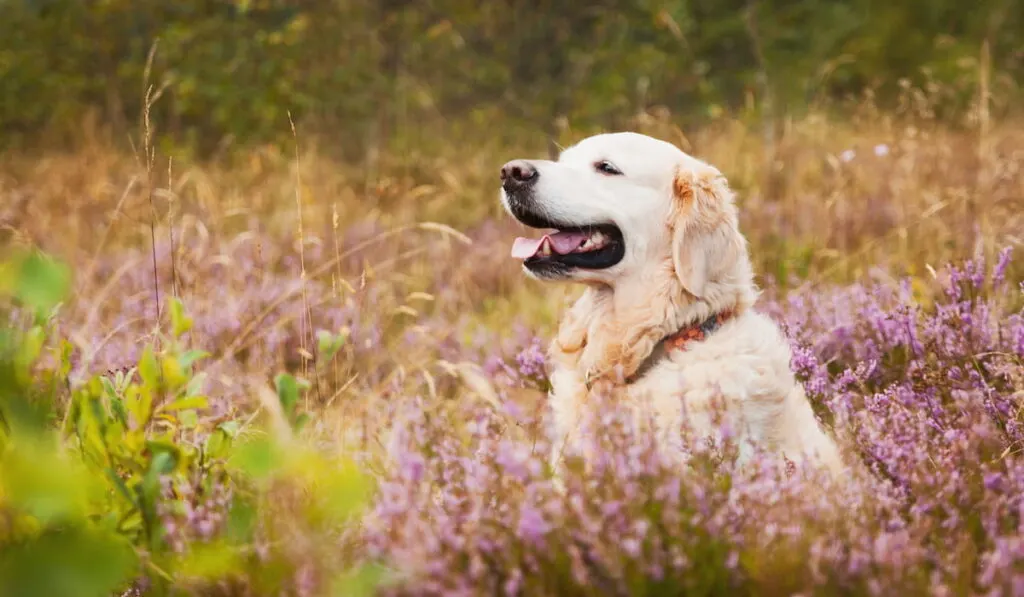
127,480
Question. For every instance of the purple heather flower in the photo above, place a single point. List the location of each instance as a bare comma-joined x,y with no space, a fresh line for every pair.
532,526
925,395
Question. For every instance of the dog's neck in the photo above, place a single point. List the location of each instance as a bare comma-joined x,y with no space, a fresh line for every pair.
609,334
680,339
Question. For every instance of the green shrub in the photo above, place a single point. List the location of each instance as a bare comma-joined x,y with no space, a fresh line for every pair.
127,480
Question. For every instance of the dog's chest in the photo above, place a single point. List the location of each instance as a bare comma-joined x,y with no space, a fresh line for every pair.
744,365
743,369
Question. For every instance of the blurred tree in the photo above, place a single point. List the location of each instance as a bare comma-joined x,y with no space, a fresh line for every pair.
370,70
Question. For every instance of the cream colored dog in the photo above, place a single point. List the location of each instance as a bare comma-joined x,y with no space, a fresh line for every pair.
666,319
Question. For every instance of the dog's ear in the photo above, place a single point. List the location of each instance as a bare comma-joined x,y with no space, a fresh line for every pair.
705,236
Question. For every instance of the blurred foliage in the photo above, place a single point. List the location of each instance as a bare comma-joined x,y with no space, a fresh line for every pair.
125,481
366,70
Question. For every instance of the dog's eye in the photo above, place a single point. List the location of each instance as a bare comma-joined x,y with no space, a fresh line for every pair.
606,167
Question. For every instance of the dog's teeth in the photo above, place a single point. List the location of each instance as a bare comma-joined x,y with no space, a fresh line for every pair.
545,248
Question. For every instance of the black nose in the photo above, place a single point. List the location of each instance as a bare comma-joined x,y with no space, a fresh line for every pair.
517,174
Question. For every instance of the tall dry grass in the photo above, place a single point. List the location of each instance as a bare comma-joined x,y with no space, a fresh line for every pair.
423,245
873,192
874,188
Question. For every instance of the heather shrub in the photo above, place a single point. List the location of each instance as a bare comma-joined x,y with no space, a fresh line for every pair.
926,398
151,479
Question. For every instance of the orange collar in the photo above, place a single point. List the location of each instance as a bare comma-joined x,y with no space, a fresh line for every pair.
679,340
697,333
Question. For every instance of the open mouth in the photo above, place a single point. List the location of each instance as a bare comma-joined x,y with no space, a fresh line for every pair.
596,246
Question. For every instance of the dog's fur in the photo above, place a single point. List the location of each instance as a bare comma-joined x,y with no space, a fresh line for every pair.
685,260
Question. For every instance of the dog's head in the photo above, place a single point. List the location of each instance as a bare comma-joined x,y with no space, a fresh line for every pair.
626,208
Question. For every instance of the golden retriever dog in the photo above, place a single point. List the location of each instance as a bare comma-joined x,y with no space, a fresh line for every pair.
666,319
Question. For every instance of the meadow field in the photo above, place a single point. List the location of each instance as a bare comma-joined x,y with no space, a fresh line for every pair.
262,334
275,374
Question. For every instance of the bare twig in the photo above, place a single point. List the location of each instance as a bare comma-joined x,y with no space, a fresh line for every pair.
170,227
150,154
307,312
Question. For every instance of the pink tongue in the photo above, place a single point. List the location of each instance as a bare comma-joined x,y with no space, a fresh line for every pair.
524,248
561,242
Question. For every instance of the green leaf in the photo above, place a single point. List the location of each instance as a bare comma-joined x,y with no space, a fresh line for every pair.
164,459
123,378
217,443
329,344
230,428
108,388
31,347
189,419
257,458
287,391
149,369
195,384
301,420
173,375
37,281
120,486
191,356
149,490
117,406
191,402
363,581
241,520
347,490
164,446
140,404
37,480
210,561
66,350
84,424
180,321
71,562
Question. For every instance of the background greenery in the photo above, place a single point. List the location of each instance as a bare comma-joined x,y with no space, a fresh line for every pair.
371,70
